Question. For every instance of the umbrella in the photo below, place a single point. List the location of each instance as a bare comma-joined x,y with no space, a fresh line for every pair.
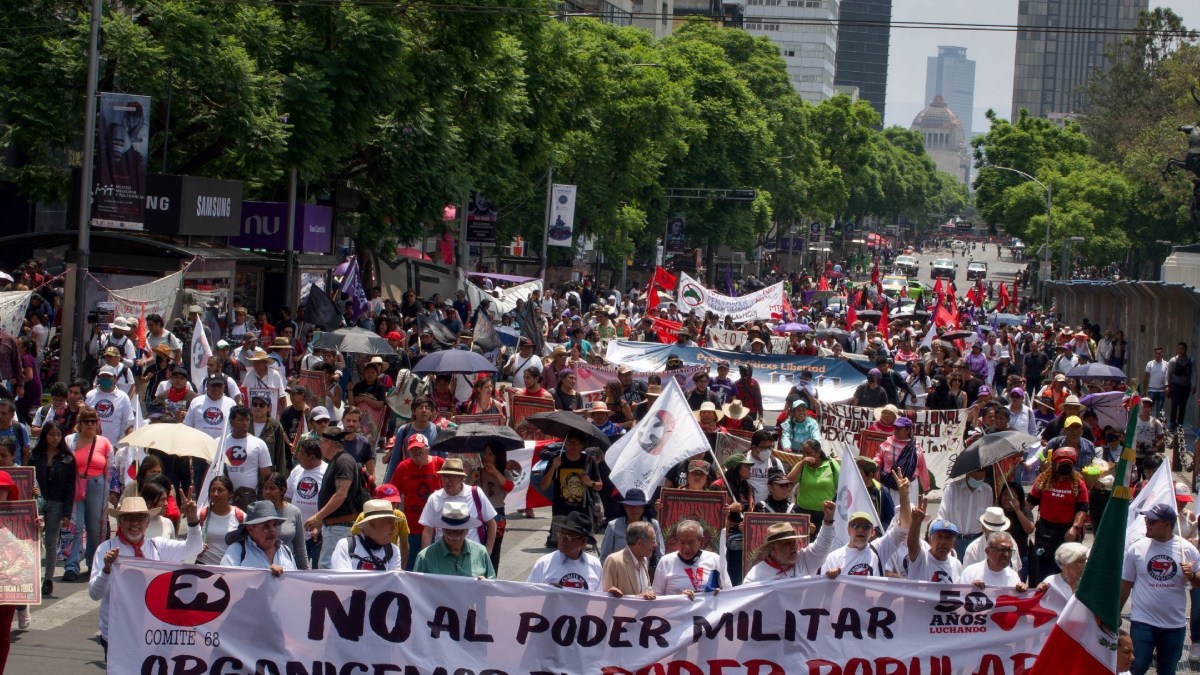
454,361
1109,407
1007,319
355,341
869,314
173,439
958,335
909,315
832,332
5,277
989,449
791,327
1096,371
472,437
561,422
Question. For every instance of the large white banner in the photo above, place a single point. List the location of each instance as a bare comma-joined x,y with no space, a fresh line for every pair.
767,303
158,297
562,216
12,310
939,434
507,301
167,618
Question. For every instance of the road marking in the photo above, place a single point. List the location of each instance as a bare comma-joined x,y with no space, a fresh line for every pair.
64,611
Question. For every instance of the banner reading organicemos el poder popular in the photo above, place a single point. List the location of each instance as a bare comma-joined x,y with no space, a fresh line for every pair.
167,618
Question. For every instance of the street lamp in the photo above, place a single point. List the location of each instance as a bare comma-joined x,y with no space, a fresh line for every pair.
1044,273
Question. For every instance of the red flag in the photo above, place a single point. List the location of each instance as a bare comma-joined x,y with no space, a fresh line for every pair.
883,320
823,284
1003,304
141,331
651,297
937,288
665,279
942,317
971,295
979,293
851,316
875,274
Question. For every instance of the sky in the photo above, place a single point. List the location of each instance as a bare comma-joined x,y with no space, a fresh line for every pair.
993,52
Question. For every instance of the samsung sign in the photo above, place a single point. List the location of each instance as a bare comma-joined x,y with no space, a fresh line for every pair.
191,205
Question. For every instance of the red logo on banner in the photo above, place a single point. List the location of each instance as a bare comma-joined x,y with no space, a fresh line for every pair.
1030,607
187,597
657,432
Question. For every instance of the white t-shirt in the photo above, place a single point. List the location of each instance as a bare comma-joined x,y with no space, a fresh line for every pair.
1159,589
1156,375
215,527
673,576
343,561
555,568
977,551
867,561
808,561
207,415
115,412
272,380
244,457
758,475
302,488
437,501
928,568
1147,431
1005,578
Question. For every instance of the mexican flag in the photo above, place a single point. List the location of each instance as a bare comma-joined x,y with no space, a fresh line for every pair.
1085,639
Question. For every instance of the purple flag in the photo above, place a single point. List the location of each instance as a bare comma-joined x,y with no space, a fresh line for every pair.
352,286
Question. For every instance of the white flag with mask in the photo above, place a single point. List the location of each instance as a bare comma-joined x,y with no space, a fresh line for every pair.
666,436
852,497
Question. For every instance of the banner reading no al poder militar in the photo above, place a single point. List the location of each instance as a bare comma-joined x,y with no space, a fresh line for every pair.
167,618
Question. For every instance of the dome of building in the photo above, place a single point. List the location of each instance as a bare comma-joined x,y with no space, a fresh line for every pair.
944,138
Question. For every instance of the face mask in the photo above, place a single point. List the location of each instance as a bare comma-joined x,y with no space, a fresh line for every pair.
975,484
106,384
1064,470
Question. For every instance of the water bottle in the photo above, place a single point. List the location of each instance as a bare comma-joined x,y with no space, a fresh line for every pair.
714,581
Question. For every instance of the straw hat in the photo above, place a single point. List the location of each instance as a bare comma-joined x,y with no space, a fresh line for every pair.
260,355
376,509
709,406
453,467
378,362
780,532
734,410
281,343
129,506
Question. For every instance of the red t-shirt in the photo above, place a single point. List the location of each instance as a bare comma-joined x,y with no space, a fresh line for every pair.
1056,504
415,484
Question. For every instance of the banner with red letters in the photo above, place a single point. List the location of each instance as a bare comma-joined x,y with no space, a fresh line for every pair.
189,619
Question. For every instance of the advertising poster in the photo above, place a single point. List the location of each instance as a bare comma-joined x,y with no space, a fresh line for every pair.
754,533
119,195
676,225
20,554
481,220
562,216
705,506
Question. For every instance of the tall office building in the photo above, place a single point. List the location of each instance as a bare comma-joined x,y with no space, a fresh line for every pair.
864,33
809,49
951,75
1051,65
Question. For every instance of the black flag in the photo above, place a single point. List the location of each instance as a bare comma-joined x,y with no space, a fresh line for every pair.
531,328
320,311
441,335
485,338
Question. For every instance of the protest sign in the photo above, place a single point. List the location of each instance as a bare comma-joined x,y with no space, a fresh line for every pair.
180,618
667,330
520,407
20,554
313,382
12,310
768,303
754,534
507,302
732,340
705,506
23,477
939,434
594,378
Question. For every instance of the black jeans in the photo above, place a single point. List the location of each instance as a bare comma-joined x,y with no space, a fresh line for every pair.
1178,407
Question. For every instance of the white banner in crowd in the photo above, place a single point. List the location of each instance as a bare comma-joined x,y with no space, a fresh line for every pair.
763,304
189,619
939,433
594,378
666,436
199,353
12,310
519,468
732,340
159,297
507,301
1160,489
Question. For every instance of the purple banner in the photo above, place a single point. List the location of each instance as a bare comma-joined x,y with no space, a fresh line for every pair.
264,226
119,193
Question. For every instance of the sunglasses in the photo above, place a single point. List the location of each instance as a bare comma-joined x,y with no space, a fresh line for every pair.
861,526
89,421
258,404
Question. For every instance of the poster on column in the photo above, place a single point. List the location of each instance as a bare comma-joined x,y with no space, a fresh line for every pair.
562,216
939,434
183,618
481,220
767,303
676,225
119,195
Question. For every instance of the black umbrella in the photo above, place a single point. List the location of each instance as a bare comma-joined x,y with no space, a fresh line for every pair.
869,315
1096,371
831,332
560,423
355,341
989,449
472,437
957,334
454,361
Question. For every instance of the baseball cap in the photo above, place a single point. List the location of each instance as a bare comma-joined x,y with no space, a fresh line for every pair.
387,491
1065,455
320,413
778,478
903,422
942,525
861,515
1160,512
1182,493
985,390
698,466
1071,421
111,372
1017,392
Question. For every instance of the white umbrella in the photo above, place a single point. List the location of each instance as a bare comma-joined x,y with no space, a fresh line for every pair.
173,439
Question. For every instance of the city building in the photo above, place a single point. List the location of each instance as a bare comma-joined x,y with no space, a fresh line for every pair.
727,12
864,34
806,33
951,75
654,16
944,139
1065,42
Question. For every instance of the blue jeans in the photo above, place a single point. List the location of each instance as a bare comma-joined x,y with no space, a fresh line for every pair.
52,513
330,536
1147,640
1158,397
91,515
414,547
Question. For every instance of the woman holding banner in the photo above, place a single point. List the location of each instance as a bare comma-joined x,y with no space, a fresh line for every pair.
816,479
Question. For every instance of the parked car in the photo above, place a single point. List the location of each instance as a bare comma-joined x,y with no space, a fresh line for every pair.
907,265
976,270
944,268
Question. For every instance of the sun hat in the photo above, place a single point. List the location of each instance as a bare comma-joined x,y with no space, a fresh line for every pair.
994,520
599,407
456,516
887,408
734,410
120,323
375,509
260,354
378,362
778,532
452,467
128,505
257,513
709,406
634,497
281,343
